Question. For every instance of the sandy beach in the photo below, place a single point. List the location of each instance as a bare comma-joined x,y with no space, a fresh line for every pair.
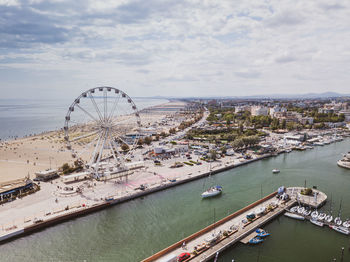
25,156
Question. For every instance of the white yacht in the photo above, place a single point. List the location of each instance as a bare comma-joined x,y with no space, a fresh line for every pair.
212,191
345,162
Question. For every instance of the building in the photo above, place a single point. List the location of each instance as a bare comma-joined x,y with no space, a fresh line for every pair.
46,175
277,109
14,188
346,113
306,120
239,109
259,111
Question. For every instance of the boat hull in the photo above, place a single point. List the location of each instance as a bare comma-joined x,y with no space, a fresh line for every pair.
295,216
211,194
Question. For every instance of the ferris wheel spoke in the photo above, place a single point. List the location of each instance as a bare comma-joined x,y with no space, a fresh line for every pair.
116,134
105,104
101,148
86,112
122,140
93,159
96,107
116,101
113,149
87,146
85,136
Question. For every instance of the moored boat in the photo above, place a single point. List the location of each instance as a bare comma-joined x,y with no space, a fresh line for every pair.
314,214
346,224
316,222
301,210
340,229
338,221
275,171
255,240
329,218
295,216
212,191
321,216
294,209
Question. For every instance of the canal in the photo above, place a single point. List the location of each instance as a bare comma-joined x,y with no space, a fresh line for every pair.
139,228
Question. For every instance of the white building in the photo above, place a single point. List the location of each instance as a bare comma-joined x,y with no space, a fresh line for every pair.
277,109
239,109
259,111
346,114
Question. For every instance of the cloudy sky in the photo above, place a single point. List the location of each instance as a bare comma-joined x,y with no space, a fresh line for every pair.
59,48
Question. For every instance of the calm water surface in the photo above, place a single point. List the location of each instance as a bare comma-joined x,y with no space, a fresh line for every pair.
136,229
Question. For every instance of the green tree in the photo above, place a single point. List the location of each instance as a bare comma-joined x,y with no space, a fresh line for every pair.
125,147
284,124
140,142
147,140
223,150
65,168
238,143
212,154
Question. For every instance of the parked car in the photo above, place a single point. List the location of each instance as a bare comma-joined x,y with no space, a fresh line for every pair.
183,256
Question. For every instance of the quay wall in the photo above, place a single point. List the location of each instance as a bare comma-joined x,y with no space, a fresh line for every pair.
99,206
208,228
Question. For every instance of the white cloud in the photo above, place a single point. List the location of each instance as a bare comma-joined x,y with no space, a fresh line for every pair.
162,46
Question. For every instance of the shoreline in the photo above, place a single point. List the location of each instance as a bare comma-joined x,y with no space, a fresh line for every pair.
46,132
47,150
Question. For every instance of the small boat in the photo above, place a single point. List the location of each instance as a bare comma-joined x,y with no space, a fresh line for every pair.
295,216
346,224
307,212
321,216
301,210
213,238
275,171
340,229
316,222
338,221
294,209
261,233
329,218
255,240
212,191
314,214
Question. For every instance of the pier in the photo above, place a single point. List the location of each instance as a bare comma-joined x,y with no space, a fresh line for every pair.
204,244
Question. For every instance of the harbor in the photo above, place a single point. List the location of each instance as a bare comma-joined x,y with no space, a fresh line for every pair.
241,186
204,244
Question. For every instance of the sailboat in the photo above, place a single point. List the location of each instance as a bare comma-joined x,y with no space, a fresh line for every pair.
329,217
340,229
214,236
337,220
316,222
212,191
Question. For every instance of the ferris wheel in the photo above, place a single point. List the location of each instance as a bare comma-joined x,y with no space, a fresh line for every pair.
102,129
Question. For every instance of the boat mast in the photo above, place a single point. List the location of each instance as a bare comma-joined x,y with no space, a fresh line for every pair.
339,213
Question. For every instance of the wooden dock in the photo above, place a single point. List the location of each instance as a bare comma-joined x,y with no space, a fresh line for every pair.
249,237
235,227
